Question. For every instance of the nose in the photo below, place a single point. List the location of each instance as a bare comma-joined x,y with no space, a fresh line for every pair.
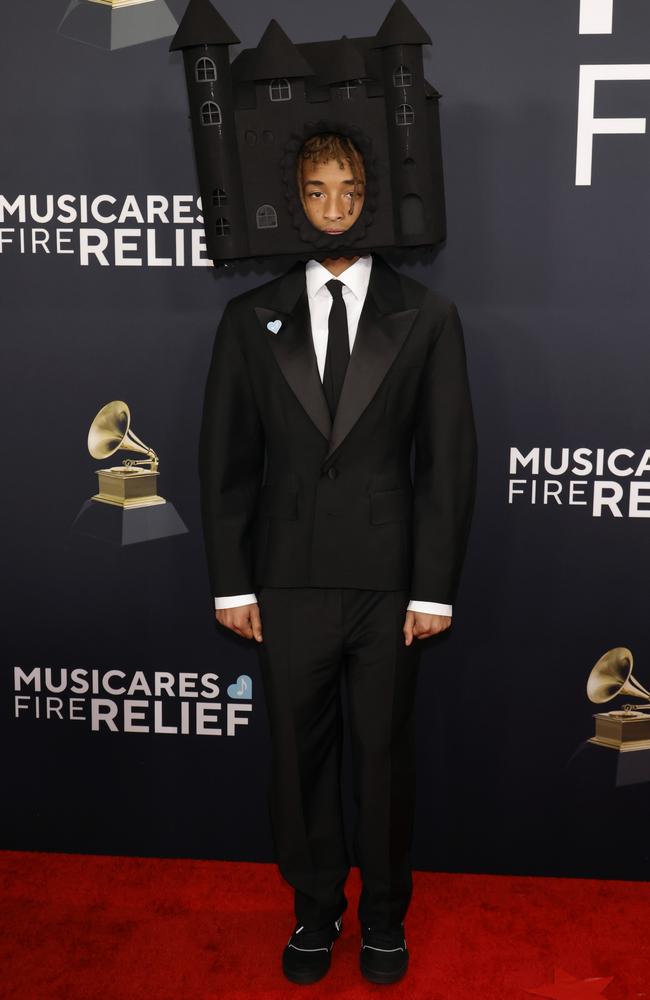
334,210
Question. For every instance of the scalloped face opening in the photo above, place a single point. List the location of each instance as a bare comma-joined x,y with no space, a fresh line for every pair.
324,221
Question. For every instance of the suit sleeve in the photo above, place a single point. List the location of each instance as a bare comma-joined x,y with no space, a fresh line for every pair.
231,463
445,467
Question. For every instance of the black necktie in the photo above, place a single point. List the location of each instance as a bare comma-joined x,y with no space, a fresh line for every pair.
338,346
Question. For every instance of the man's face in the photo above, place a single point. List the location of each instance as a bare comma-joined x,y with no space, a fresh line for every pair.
327,192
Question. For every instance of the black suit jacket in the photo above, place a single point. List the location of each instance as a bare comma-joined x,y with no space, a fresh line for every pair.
290,499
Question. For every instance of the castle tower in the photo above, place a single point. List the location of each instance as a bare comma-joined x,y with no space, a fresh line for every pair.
204,37
413,128
271,84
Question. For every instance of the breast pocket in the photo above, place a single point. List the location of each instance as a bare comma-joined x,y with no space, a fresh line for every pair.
390,505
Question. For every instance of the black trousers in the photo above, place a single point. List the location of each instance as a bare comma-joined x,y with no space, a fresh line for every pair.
310,636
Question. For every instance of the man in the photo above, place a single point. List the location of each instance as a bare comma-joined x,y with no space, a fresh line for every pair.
322,548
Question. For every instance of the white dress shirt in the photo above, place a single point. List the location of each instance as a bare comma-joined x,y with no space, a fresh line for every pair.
355,281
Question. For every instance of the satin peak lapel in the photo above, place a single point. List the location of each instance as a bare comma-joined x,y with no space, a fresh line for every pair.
384,325
294,352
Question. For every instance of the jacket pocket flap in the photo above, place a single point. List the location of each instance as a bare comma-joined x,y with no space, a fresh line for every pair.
390,505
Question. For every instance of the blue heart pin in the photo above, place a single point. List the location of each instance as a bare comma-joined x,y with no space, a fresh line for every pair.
242,688
274,325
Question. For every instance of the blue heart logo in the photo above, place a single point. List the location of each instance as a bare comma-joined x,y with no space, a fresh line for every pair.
242,688
274,325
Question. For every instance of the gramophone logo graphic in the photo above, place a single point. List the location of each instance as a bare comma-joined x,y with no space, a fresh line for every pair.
126,507
125,485
622,729
114,24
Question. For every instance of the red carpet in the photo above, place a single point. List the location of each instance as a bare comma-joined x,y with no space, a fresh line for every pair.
81,927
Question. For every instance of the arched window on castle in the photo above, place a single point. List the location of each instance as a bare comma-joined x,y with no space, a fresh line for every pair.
402,77
222,227
405,115
219,197
280,89
266,217
210,113
205,70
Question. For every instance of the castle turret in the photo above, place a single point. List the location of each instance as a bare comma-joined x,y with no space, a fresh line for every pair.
204,37
413,128
278,68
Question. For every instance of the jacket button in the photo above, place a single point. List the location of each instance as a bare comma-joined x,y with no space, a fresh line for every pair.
332,473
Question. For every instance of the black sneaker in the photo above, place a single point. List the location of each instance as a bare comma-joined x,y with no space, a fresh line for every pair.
384,956
307,955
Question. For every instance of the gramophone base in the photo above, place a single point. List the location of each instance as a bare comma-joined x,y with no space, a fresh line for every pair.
622,730
129,504
621,747
112,28
117,525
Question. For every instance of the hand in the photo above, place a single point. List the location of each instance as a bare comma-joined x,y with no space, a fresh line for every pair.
244,620
421,625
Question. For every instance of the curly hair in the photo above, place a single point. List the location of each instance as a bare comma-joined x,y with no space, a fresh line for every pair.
325,146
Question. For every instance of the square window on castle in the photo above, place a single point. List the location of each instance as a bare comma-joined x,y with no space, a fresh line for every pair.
280,89
206,70
219,197
222,227
345,90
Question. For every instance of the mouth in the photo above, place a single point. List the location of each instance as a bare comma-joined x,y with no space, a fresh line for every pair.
334,232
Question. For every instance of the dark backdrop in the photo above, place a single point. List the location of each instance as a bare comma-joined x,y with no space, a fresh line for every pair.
551,282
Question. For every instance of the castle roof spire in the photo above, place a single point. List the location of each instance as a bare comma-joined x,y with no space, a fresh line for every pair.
201,24
347,63
400,27
277,56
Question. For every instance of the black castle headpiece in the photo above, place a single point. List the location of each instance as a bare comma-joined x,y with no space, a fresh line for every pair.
250,118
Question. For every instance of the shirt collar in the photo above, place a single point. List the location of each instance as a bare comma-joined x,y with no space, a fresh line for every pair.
356,277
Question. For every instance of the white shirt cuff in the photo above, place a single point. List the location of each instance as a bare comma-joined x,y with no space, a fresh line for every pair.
430,608
234,602
427,607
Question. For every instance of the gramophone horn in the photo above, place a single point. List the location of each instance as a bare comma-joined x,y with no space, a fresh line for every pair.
612,675
110,431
